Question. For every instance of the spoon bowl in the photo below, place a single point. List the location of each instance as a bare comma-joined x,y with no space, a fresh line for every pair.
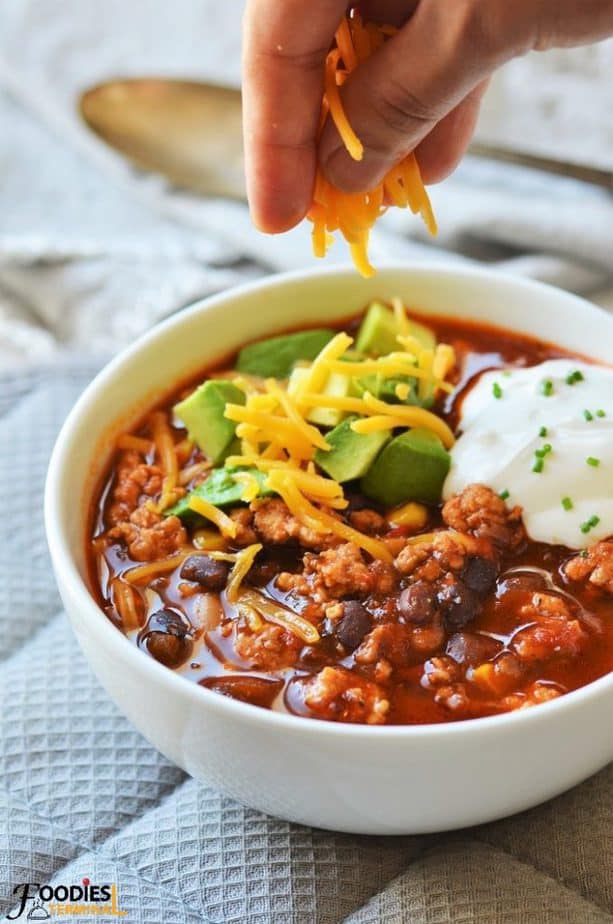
188,131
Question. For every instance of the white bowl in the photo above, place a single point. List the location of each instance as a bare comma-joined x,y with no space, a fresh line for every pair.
371,780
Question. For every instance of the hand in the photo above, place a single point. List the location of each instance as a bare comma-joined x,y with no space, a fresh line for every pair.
420,91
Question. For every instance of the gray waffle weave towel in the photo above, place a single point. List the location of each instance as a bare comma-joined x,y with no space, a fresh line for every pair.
83,795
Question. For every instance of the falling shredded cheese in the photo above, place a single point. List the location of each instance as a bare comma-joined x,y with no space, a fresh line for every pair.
354,214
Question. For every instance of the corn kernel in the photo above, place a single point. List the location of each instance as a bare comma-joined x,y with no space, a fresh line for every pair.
209,540
413,515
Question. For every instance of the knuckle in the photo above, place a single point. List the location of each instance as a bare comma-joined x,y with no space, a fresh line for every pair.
400,109
486,30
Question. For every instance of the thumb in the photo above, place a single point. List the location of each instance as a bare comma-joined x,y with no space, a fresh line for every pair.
396,97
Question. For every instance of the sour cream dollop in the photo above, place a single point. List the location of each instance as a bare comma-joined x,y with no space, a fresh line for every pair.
570,500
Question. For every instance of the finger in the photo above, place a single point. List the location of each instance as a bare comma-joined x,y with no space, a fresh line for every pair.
564,23
387,12
441,151
283,64
395,98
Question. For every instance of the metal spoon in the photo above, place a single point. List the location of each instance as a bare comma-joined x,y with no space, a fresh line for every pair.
191,133
188,131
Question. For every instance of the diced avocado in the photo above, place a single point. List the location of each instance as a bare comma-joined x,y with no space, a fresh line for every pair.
219,489
413,466
202,412
352,454
385,389
338,386
379,330
276,356
422,333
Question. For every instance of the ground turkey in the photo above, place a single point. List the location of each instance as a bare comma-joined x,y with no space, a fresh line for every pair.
400,645
133,480
538,692
595,565
554,632
339,572
338,695
480,511
268,649
243,520
149,536
443,553
275,525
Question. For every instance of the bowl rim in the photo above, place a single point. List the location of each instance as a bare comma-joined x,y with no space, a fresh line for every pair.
132,658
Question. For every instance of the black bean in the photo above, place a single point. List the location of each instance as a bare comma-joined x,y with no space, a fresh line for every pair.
458,604
417,602
480,574
353,625
168,622
166,637
472,648
259,691
206,571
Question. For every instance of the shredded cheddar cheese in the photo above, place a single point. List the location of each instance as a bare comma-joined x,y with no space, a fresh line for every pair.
166,452
278,439
282,483
163,566
225,525
319,370
242,564
274,612
354,214
251,486
309,432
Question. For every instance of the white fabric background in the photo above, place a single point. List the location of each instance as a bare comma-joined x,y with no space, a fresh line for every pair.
91,254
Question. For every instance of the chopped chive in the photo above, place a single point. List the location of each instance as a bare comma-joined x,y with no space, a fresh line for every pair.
600,413
547,388
543,432
593,461
588,415
541,453
503,494
583,553
506,373
574,377
538,465
496,390
590,523
567,503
